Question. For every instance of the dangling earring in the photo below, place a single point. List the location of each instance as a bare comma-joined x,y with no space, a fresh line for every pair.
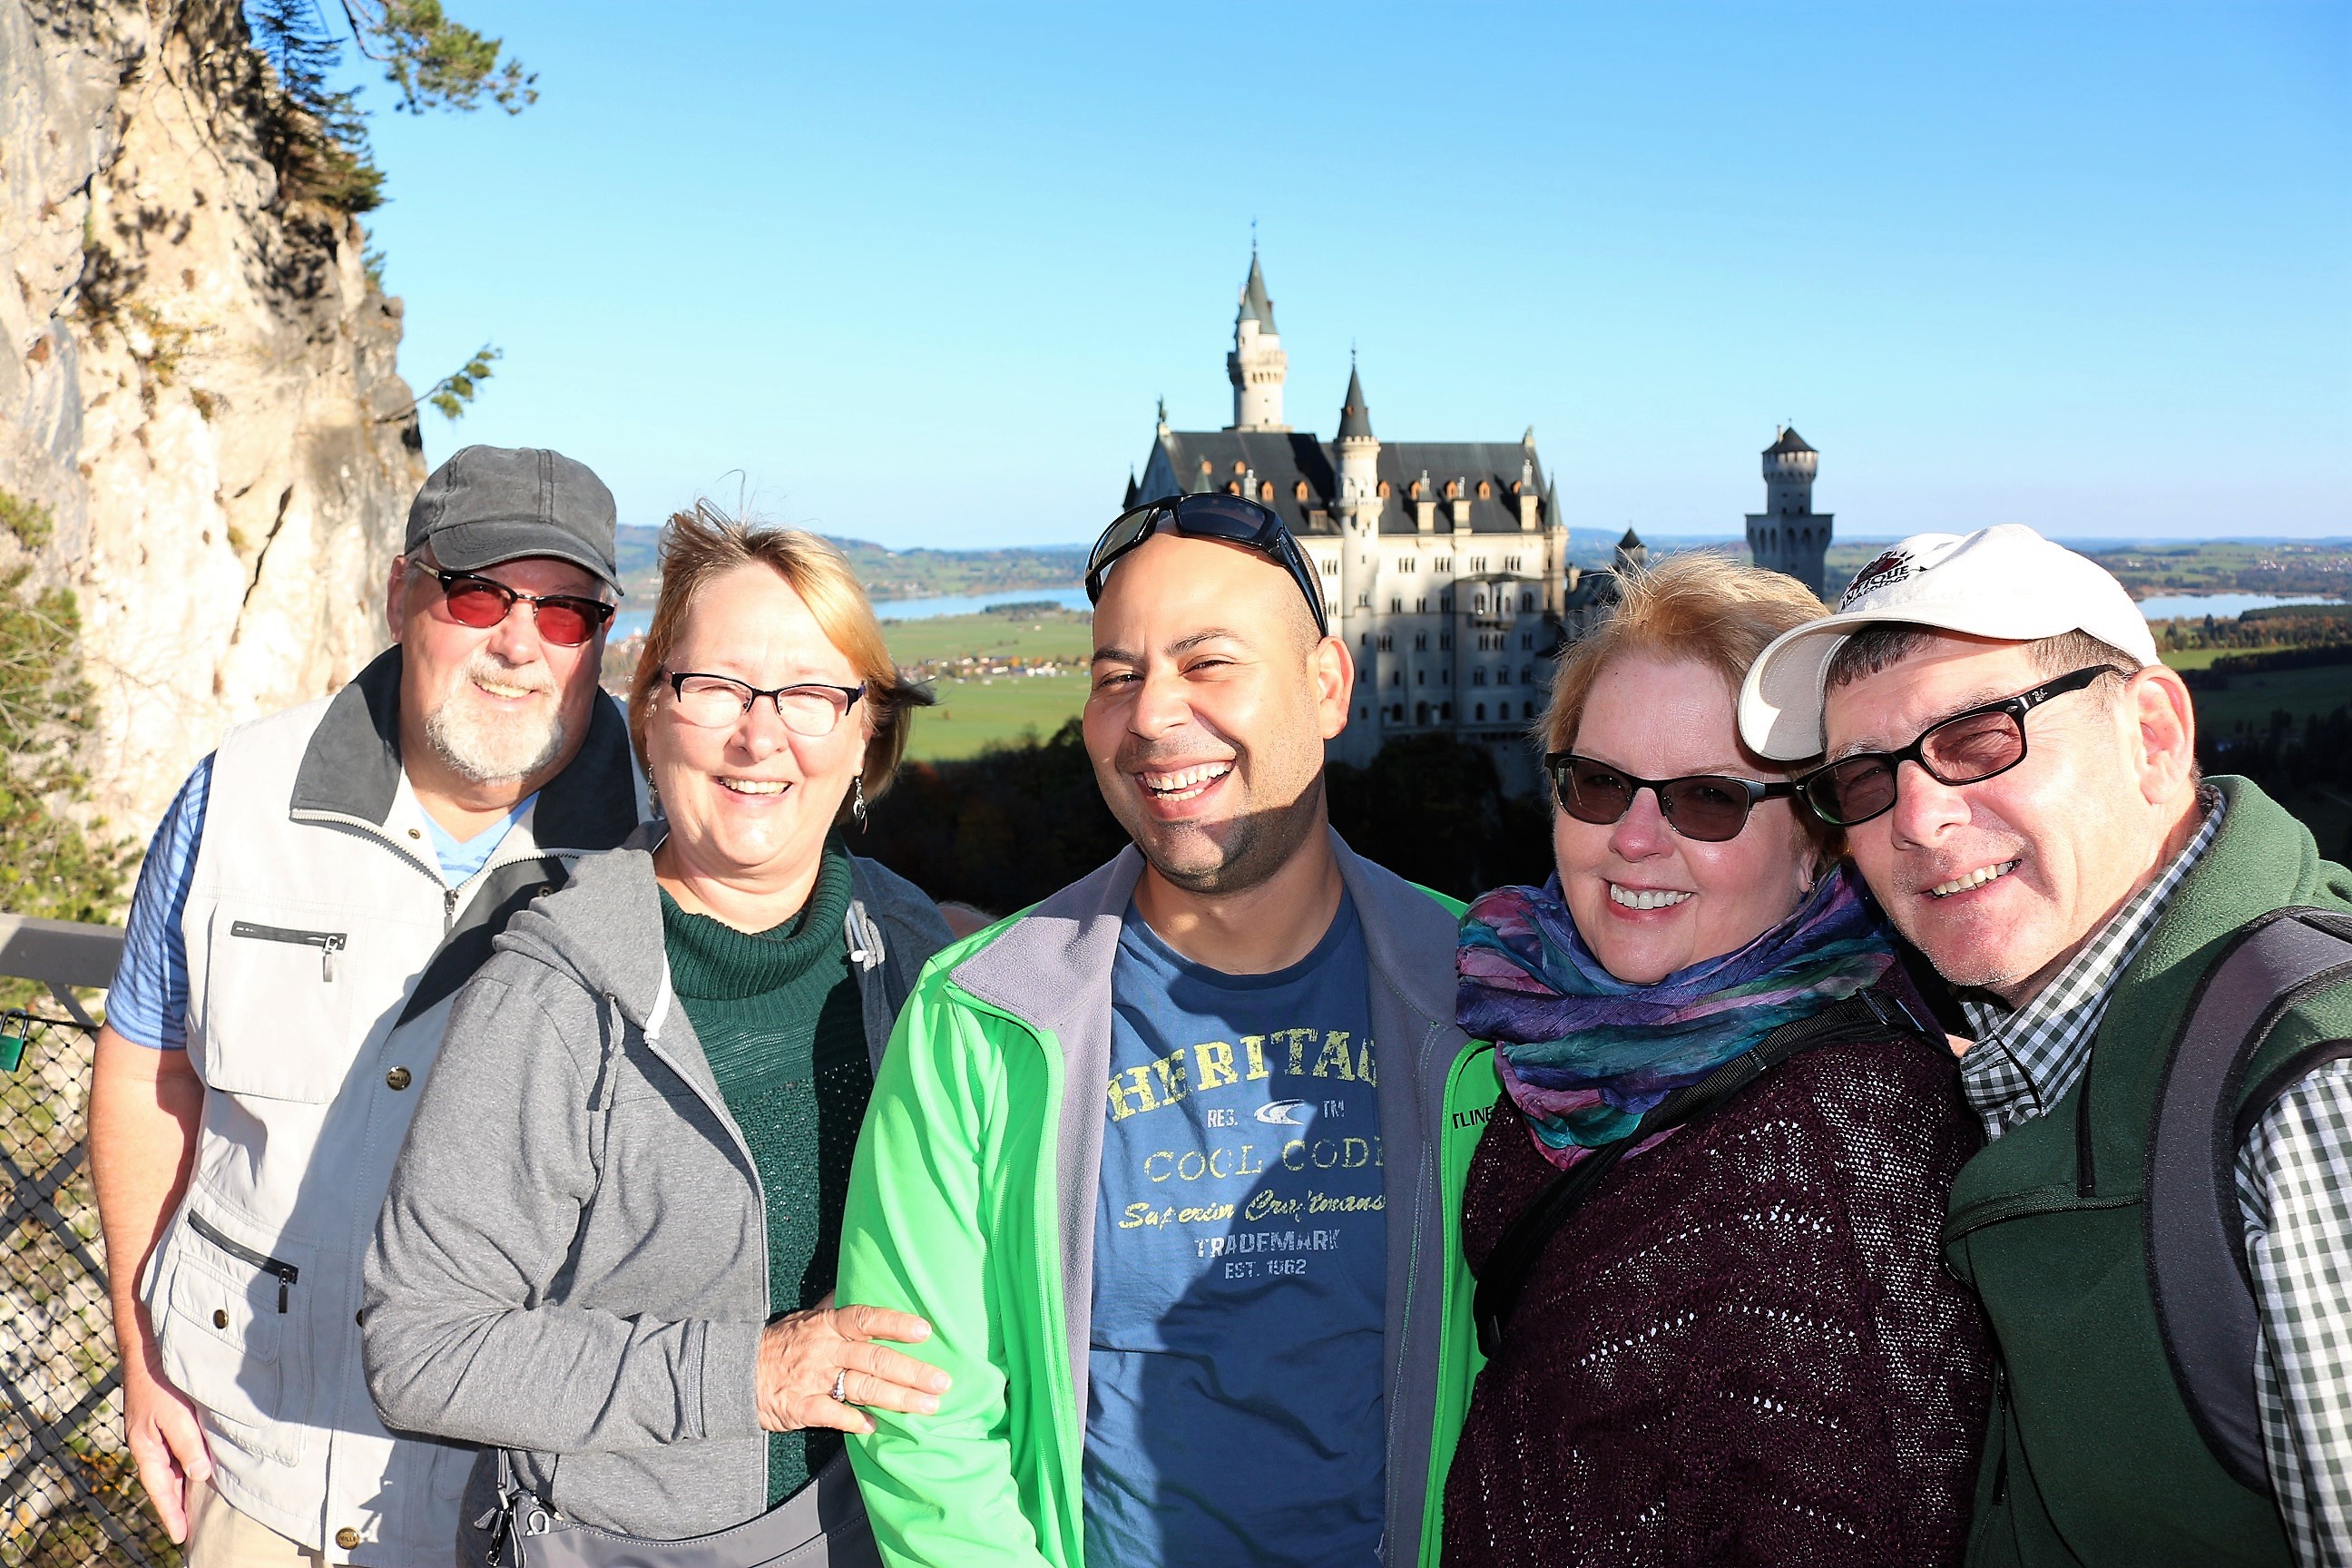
858,801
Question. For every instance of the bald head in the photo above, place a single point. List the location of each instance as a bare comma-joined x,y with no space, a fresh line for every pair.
1212,696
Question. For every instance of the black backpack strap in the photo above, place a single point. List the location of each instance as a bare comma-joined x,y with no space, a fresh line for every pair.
2197,1269
1509,1266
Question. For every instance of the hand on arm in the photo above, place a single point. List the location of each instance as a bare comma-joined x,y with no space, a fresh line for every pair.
143,1110
803,1353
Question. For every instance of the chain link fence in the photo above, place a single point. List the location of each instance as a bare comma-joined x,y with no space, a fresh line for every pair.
69,1494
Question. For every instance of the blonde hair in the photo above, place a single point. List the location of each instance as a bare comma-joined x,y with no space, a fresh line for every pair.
1698,607
705,544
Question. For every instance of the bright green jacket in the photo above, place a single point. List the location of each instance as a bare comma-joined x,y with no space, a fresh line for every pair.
973,1204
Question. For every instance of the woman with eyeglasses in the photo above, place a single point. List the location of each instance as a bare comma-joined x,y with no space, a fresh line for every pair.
608,1253
1704,1219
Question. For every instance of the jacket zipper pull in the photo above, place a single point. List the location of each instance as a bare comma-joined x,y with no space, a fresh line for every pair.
283,1281
449,910
327,951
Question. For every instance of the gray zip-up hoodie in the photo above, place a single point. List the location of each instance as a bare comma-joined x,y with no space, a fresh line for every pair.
572,1261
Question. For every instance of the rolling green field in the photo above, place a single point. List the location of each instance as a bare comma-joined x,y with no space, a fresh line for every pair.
1005,710
1057,635
2253,698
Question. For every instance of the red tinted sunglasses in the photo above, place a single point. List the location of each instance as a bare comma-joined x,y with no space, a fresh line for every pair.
566,620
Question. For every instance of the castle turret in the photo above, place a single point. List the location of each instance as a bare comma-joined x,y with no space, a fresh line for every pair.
1258,364
1357,510
1789,535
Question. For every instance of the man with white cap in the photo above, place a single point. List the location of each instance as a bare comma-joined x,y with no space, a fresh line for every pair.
2158,968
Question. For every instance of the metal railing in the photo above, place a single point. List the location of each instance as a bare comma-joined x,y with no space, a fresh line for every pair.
69,1494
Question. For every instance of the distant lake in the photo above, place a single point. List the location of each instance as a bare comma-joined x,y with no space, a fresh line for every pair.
629,623
2222,606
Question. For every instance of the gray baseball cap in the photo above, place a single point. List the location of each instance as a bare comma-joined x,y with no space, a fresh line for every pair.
490,504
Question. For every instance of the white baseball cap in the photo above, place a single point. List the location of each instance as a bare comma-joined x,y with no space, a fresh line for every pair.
2007,583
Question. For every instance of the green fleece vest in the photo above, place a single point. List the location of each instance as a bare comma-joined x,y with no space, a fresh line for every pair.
2092,1456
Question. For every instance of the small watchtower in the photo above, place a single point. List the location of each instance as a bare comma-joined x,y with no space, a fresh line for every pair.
1789,535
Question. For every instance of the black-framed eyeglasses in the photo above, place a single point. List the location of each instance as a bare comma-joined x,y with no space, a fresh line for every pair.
566,620
1235,519
719,702
1967,748
1708,807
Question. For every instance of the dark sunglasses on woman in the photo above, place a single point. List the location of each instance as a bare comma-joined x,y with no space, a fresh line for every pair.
1967,748
1708,807
1234,519
567,620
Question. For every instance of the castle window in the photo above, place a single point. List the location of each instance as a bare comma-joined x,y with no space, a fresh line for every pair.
1240,467
1414,489
1453,489
1502,675
1446,711
1527,640
1330,567
1479,604
1527,675
1485,490
1406,563
1298,490
1421,642
1444,677
1386,642
1527,710
1396,678
1421,678
1396,606
1420,712
1511,562
1443,564
1478,677
1482,711
1421,606
1266,490
1384,490
1527,601
1477,566
1445,641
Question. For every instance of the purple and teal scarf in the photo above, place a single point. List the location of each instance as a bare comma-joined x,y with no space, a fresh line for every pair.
1583,1054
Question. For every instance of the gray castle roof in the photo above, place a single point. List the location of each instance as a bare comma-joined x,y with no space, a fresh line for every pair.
1254,300
1790,441
1355,416
1285,458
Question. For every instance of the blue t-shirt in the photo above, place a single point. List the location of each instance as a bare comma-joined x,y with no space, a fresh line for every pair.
1233,1392
148,1003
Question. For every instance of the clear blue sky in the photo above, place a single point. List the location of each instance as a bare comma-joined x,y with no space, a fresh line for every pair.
919,273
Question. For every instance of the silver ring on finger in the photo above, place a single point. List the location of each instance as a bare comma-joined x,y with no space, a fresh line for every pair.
841,1386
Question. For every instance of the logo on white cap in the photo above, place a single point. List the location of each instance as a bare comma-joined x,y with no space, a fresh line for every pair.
1887,570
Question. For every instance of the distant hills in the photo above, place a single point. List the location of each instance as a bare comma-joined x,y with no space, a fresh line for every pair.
2144,567
896,574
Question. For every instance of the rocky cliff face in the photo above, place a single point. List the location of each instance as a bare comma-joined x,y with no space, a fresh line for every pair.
196,378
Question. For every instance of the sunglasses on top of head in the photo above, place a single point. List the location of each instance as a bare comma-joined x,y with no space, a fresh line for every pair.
1965,749
567,620
1234,519
1708,807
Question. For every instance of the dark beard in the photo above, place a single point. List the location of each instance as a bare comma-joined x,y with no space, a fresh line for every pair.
1254,846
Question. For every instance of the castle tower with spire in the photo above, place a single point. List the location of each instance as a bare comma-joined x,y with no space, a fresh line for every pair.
1258,364
1789,535
1444,564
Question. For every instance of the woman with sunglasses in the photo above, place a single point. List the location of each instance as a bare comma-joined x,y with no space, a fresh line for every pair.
1704,1218
608,1254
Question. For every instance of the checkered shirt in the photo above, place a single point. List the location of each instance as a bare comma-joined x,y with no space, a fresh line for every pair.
2294,1195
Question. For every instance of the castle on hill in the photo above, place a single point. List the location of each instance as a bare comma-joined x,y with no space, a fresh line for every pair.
1443,563
1789,535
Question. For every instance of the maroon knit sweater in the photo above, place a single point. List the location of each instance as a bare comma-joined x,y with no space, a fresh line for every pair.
1744,1348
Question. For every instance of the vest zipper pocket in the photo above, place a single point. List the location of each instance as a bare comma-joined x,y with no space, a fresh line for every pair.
287,1274
328,942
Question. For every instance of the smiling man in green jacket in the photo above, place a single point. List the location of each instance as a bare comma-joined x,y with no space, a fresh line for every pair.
1171,1162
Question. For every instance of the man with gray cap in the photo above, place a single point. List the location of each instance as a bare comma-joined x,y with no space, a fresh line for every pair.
324,883
2158,968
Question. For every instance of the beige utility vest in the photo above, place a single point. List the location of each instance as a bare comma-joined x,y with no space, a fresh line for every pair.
325,949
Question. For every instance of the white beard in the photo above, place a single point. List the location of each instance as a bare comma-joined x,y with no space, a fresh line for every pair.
490,748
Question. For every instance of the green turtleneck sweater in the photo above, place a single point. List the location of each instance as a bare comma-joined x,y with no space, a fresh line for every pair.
779,1018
